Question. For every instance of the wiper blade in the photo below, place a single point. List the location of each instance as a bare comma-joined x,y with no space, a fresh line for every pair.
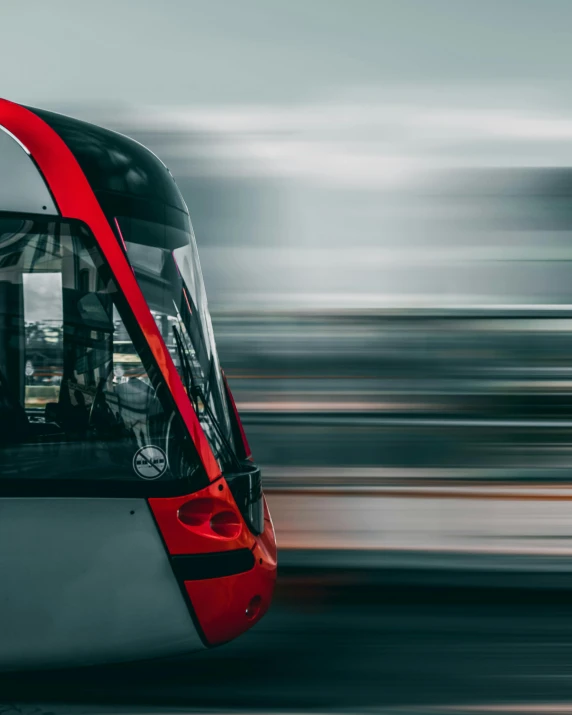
185,365
195,391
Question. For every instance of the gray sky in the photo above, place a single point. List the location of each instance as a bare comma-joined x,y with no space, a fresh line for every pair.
213,51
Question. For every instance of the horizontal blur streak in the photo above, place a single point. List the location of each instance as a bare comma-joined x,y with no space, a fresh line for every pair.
374,201
495,520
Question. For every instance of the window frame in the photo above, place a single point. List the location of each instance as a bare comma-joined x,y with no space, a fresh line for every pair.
24,486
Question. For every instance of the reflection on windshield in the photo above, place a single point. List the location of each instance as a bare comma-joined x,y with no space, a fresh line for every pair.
73,389
166,264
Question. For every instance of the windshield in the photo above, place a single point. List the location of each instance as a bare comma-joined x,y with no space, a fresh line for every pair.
74,391
166,264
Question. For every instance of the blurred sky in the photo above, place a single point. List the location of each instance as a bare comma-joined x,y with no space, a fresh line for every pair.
212,51
327,149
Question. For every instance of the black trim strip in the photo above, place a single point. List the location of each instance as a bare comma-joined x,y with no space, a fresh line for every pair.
196,567
90,488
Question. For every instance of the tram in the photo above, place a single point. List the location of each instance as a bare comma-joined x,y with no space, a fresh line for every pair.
133,524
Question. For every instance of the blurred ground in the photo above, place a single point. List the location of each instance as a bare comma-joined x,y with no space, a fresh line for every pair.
345,640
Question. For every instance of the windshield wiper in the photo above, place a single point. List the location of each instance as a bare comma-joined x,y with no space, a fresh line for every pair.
195,392
185,366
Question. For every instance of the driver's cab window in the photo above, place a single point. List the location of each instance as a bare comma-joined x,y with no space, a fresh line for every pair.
73,389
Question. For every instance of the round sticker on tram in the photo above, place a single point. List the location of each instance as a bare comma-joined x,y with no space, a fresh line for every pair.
150,462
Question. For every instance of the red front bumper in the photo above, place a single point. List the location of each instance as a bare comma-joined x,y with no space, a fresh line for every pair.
228,604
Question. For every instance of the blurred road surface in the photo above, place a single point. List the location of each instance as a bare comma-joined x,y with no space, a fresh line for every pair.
342,640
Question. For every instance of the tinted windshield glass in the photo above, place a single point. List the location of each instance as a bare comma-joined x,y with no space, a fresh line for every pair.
166,264
76,399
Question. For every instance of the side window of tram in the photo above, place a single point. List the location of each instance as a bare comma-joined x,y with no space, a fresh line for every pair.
73,389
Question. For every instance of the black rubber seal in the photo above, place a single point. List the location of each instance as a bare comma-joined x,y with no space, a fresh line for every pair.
196,567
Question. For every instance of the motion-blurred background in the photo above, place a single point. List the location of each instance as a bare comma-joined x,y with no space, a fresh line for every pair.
382,196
